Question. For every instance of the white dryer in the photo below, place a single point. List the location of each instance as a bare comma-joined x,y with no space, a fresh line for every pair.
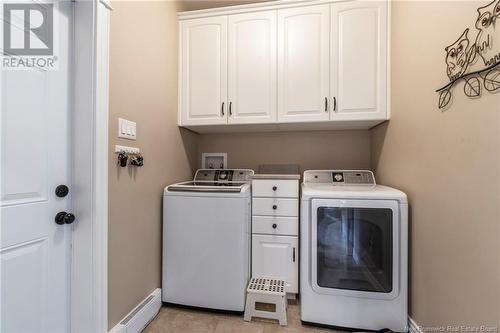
354,251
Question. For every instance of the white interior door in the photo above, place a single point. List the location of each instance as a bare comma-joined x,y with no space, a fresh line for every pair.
276,257
204,71
359,60
252,67
35,139
303,63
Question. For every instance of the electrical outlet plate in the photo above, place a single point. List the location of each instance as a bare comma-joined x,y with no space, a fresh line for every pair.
127,129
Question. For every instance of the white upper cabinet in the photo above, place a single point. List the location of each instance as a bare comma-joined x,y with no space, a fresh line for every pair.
252,67
358,57
203,75
303,63
284,65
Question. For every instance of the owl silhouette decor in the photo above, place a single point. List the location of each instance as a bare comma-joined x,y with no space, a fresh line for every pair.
475,61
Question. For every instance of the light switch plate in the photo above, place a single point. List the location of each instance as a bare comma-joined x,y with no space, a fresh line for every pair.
127,129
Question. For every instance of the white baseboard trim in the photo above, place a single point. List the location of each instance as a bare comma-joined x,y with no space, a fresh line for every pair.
137,319
413,327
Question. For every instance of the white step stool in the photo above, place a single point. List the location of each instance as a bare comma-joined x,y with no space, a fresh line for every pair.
270,291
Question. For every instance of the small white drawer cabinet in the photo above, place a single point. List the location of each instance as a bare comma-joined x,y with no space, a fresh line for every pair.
275,228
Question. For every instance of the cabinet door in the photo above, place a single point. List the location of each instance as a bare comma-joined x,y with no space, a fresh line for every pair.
276,257
359,60
203,71
252,67
303,63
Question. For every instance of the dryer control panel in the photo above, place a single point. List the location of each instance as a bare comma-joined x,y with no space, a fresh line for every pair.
340,177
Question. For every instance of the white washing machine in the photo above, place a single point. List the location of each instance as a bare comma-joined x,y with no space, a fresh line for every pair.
206,240
354,251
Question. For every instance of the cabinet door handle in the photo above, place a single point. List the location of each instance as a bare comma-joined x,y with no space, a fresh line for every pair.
293,255
334,104
326,104
230,108
222,109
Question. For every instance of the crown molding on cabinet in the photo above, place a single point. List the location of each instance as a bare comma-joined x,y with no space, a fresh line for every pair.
253,7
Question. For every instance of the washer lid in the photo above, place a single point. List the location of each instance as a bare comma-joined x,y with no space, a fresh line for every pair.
208,190
231,181
207,186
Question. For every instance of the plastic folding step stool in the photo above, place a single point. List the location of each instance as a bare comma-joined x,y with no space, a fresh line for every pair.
268,291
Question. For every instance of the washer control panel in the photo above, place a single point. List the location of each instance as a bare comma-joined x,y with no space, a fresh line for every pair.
340,177
223,175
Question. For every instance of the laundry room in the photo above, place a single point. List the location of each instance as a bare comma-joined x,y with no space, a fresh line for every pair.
250,166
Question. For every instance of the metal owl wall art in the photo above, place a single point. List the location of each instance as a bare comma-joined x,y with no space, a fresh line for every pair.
476,62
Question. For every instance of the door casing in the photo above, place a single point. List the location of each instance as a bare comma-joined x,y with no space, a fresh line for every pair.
89,265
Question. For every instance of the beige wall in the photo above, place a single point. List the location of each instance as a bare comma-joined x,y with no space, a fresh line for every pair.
455,265
448,163
310,150
143,88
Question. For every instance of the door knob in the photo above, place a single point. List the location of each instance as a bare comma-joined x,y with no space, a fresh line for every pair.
62,191
274,206
275,225
64,218
275,188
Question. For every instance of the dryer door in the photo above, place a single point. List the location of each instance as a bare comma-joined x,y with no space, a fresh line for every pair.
355,248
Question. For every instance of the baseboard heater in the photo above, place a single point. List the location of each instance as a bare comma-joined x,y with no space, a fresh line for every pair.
413,327
137,319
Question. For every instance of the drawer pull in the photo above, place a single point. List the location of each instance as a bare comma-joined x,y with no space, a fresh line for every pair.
275,225
293,256
274,188
275,207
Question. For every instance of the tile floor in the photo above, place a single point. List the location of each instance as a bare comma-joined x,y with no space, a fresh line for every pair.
179,320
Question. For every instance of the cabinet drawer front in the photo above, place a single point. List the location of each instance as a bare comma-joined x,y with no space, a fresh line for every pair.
275,188
275,207
275,225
